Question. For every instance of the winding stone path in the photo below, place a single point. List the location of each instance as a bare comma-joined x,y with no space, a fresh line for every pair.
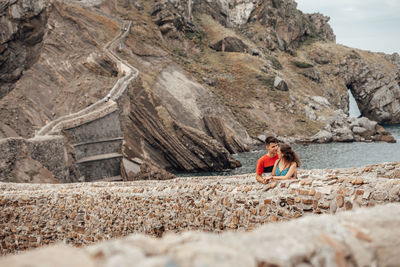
91,130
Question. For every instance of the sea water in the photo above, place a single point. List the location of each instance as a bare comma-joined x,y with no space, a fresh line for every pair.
321,156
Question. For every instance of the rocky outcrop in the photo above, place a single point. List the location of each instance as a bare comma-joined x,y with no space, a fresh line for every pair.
340,128
172,146
230,44
374,86
280,84
22,26
220,131
287,27
40,160
173,17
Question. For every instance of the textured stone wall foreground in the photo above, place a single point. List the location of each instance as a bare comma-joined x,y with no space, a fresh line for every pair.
363,237
34,215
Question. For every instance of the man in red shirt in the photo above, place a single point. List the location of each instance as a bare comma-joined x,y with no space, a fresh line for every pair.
266,162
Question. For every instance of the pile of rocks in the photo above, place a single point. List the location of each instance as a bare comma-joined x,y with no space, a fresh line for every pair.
33,215
366,237
340,128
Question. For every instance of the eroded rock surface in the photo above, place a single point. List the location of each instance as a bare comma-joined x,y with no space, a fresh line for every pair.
375,87
22,26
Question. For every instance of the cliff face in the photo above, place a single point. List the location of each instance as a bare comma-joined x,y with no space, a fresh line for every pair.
193,105
22,26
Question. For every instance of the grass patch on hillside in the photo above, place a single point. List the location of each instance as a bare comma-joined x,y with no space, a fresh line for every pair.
253,125
302,65
267,80
354,54
275,62
309,40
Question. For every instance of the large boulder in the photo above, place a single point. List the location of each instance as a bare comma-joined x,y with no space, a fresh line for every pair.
322,136
230,44
343,134
280,84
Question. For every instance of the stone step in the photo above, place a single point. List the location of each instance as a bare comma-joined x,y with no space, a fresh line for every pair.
99,157
98,147
98,167
104,127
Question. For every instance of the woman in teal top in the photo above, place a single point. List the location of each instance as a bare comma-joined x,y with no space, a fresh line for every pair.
286,166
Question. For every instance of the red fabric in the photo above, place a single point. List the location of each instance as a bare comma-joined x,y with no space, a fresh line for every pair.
264,162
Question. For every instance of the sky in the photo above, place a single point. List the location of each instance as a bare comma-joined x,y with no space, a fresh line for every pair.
372,25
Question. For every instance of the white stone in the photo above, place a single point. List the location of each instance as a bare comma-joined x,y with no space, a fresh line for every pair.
322,136
324,190
321,100
366,123
358,130
310,113
277,81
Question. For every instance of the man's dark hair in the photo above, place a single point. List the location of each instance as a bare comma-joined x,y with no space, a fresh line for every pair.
271,139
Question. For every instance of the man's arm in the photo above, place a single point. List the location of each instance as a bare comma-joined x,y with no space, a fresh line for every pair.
259,178
259,171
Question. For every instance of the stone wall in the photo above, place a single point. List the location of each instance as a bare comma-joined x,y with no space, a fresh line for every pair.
365,237
26,160
34,215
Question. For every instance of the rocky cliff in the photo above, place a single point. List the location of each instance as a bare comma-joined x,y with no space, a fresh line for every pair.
193,104
23,24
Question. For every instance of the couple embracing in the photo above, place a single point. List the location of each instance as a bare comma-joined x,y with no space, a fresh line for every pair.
281,161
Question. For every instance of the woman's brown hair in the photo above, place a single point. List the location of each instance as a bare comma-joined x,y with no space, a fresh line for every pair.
289,155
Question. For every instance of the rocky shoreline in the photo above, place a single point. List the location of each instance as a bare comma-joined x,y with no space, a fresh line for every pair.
341,128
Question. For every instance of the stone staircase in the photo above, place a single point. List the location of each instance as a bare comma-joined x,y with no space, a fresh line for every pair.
97,144
95,132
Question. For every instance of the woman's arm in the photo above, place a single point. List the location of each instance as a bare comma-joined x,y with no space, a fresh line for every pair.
272,173
274,169
289,174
